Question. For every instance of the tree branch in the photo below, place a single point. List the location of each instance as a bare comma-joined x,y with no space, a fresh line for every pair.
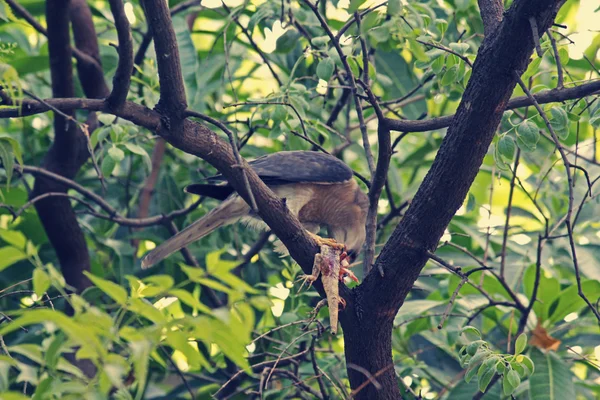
491,14
172,101
543,97
122,77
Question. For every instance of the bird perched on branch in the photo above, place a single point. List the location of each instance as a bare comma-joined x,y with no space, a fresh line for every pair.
318,188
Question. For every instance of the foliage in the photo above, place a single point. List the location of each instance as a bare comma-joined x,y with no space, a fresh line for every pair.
235,323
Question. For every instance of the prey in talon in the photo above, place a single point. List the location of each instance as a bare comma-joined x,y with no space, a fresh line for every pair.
329,265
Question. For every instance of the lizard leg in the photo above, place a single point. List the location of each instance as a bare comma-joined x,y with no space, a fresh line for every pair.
306,278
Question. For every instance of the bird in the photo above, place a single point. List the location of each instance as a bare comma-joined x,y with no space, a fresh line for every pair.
318,188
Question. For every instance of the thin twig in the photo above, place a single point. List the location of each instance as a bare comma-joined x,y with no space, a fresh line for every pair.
559,70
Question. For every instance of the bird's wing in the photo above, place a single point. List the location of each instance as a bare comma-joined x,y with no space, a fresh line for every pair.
297,166
227,213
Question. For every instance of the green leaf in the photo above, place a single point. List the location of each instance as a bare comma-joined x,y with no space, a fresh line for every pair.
139,150
438,64
353,64
462,5
569,300
6,13
78,333
114,291
116,153
187,298
7,159
520,343
460,48
9,256
325,69
471,333
441,25
140,351
380,34
528,134
527,363
394,7
355,4
147,311
41,281
178,341
486,378
107,166
507,386
552,378
15,238
560,122
214,285
563,56
513,378
99,135
15,146
449,76
595,118
533,68
506,147
320,41
287,42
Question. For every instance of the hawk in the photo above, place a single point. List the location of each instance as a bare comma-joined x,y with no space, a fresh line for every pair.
318,188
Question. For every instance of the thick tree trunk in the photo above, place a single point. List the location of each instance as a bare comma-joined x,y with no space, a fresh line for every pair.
368,350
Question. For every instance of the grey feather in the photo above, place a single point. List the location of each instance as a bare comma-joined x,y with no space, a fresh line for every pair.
297,166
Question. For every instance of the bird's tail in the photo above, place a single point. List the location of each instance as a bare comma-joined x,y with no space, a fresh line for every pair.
227,213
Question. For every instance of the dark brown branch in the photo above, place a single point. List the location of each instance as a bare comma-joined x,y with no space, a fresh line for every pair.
559,70
491,14
65,157
378,180
543,97
172,101
122,77
89,67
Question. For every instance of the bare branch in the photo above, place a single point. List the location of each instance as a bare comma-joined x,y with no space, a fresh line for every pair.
491,14
543,97
122,76
172,90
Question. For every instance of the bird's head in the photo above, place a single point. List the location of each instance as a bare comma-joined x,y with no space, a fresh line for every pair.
354,233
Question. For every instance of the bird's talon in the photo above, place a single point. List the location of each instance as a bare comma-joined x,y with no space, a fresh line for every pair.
342,304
